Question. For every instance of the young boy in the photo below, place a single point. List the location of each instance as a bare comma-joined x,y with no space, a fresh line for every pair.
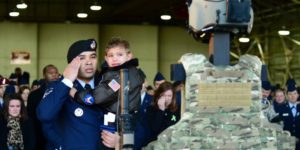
106,95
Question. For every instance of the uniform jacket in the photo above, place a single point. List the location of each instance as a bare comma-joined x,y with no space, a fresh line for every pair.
278,107
66,123
291,123
142,132
146,103
178,99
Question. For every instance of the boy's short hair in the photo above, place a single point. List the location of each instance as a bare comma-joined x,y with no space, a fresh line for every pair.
117,41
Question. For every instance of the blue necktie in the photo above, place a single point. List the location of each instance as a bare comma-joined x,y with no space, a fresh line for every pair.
294,111
88,87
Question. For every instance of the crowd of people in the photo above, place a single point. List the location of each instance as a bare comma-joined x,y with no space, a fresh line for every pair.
79,109
69,110
281,106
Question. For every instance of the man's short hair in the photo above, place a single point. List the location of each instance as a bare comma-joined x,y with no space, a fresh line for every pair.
47,67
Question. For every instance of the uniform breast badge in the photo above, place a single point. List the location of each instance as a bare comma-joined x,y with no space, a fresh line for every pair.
78,112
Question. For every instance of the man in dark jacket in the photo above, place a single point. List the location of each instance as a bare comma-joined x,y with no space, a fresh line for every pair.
50,73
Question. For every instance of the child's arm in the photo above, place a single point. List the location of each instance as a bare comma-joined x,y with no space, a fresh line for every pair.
104,94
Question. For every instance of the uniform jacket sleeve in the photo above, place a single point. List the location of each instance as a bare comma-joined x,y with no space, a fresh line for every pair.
52,102
51,133
49,108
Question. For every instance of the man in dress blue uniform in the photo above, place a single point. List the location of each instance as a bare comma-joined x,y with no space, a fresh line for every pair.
67,124
146,98
141,130
266,91
290,113
158,80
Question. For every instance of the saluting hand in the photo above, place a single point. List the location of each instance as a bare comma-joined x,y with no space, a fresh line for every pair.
71,71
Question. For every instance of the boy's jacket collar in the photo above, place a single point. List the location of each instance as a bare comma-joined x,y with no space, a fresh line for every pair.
131,63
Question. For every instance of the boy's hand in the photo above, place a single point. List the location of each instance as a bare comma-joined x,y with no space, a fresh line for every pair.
71,71
110,139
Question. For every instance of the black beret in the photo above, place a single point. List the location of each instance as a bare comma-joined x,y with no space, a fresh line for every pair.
159,77
291,88
81,46
266,85
290,82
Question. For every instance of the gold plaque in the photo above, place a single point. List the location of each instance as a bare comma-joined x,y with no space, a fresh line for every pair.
224,94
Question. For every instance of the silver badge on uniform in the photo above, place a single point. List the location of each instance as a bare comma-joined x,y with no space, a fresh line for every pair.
93,45
78,112
285,114
47,92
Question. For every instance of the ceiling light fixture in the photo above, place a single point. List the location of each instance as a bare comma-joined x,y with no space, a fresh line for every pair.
21,5
244,39
14,13
165,17
283,31
82,15
95,6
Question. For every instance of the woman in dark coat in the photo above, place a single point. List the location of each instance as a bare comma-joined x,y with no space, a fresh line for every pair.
18,133
164,111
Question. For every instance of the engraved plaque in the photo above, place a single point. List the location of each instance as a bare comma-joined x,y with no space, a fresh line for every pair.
224,94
